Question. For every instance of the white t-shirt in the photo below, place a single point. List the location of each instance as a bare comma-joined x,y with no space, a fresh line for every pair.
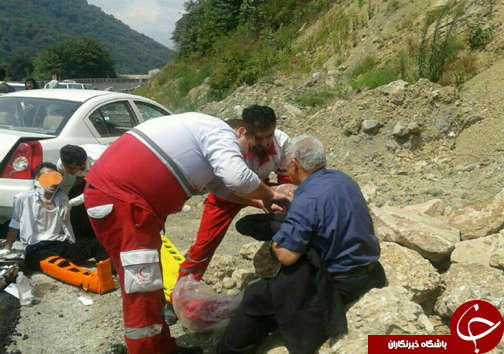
28,210
48,226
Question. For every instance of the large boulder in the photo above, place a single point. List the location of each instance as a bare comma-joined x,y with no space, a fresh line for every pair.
408,269
381,312
433,207
479,251
465,282
497,256
478,220
432,238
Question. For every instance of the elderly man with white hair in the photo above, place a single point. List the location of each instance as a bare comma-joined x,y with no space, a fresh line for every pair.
329,256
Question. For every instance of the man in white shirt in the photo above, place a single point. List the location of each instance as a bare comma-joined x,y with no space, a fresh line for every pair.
53,84
74,163
48,238
147,174
266,156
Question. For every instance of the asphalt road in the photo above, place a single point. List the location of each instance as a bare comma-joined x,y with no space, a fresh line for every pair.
9,317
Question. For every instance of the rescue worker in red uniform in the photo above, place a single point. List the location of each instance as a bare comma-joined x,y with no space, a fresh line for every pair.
147,174
266,156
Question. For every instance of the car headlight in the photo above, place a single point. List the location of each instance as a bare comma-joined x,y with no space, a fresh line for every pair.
20,163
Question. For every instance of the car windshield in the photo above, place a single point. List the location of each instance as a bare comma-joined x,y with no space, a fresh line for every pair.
37,115
75,86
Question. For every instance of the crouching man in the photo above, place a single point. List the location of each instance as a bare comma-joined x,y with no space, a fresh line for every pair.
48,237
74,163
329,257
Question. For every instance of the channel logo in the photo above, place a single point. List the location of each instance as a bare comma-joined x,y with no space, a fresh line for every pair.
478,322
476,327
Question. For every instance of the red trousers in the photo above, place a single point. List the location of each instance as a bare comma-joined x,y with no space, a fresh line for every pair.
131,237
217,217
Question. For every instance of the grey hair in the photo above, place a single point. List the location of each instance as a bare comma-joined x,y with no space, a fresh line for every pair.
308,151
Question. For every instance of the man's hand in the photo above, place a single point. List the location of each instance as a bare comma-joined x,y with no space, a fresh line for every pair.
267,207
287,189
65,211
4,252
281,201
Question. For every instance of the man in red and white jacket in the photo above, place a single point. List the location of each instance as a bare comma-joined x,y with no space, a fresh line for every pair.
145,175
266,156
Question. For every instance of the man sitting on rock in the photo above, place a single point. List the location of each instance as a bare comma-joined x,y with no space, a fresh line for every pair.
49,239
329,257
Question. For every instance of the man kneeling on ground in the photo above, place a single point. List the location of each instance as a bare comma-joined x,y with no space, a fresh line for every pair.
48,238
329,257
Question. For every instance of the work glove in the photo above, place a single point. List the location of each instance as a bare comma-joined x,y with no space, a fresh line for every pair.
65,211
4,252
77,200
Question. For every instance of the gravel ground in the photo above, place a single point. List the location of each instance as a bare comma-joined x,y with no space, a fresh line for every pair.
59,323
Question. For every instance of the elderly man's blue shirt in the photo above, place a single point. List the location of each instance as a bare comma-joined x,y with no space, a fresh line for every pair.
330,214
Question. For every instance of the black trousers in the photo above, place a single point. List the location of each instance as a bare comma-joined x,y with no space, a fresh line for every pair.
73,252
244,333
78,215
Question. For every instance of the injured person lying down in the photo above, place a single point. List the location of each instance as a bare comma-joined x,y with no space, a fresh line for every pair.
48,238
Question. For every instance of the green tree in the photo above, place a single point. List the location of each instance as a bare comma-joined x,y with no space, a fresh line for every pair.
204,22
3,72
19,68
75,58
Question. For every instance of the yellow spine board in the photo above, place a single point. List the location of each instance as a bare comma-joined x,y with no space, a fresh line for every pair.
171,259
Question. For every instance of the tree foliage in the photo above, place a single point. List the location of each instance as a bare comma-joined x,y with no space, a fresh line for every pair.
75,58
29,26
243,39
205,21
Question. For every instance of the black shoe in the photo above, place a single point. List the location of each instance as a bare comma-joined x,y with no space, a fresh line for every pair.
190,350
118,349
169,315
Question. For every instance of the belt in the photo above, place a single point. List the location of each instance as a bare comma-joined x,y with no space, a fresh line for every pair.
89,186
355,272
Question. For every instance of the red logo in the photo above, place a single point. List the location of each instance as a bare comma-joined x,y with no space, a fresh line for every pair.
476,327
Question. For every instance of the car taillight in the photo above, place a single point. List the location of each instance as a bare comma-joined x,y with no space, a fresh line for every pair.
23,161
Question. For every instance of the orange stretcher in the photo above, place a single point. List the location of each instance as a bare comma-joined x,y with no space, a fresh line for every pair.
99,281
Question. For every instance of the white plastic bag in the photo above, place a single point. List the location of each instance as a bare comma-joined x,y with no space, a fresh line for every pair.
199,308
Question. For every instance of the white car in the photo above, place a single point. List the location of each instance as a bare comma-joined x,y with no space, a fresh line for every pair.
18,86
35,124
61,85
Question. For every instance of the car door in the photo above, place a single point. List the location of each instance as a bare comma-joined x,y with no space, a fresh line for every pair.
110,120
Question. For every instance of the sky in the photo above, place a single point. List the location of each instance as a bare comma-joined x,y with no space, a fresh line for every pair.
154,18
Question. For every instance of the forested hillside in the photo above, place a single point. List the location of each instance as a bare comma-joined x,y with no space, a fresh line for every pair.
28,26
224,44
